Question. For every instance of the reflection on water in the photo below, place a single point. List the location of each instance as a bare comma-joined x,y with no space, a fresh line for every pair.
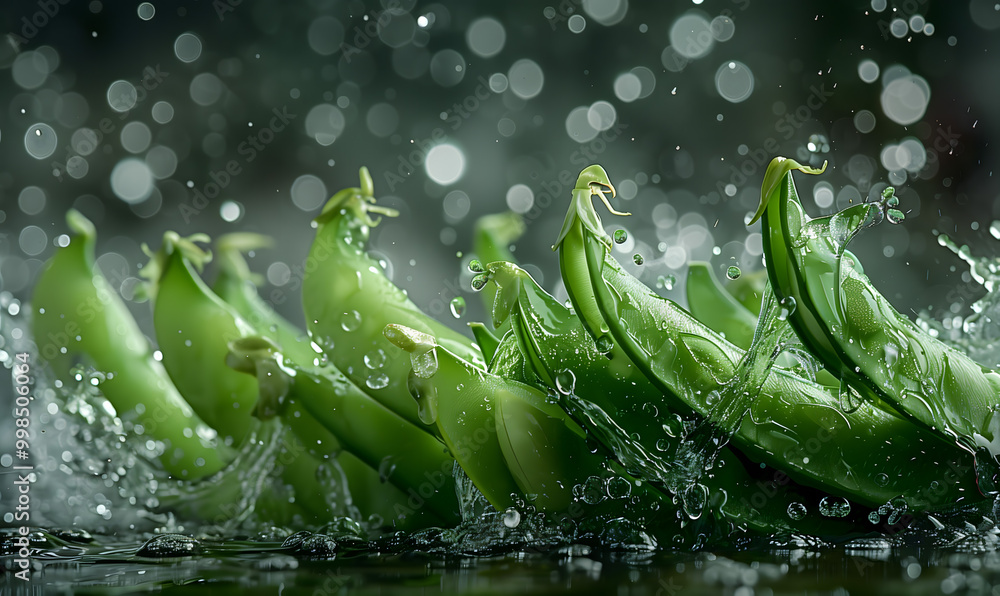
306,563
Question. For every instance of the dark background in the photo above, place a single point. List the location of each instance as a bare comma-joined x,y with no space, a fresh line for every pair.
681,145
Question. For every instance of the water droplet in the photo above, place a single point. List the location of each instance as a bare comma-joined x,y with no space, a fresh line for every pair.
169,545
385,468
375,359
873,517
593,490
694,499
894,216
425,364
479,281
604,344
350,321
637,259
666,281
733,272
620,236
565,382
457,307
476,266
786,307
511,517
796,511
995,229
831,506
663,445
377,381
882,479
424,391
619,488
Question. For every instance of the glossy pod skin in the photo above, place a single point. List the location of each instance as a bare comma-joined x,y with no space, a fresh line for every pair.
348,301
853,329
794,425
514,444
193,327
562,354
405,455
235,284
79,317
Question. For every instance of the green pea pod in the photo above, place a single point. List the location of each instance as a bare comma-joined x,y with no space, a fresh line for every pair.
405,455
511,442
793,424
348,301
79,316
193,327
613,393
717,309
853,329
236,285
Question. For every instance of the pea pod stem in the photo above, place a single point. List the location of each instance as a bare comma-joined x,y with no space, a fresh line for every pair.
79,317
348,301
865,455
853,329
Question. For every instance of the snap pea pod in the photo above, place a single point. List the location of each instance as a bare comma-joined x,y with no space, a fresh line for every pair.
512,442
79,316
348,301
406,456
236,285
600,393
793,424
193,327
853,329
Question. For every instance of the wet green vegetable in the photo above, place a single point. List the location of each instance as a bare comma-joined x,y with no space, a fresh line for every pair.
868,455
236,285
624,408
404,455
604,394
855,331
348,301
80,318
